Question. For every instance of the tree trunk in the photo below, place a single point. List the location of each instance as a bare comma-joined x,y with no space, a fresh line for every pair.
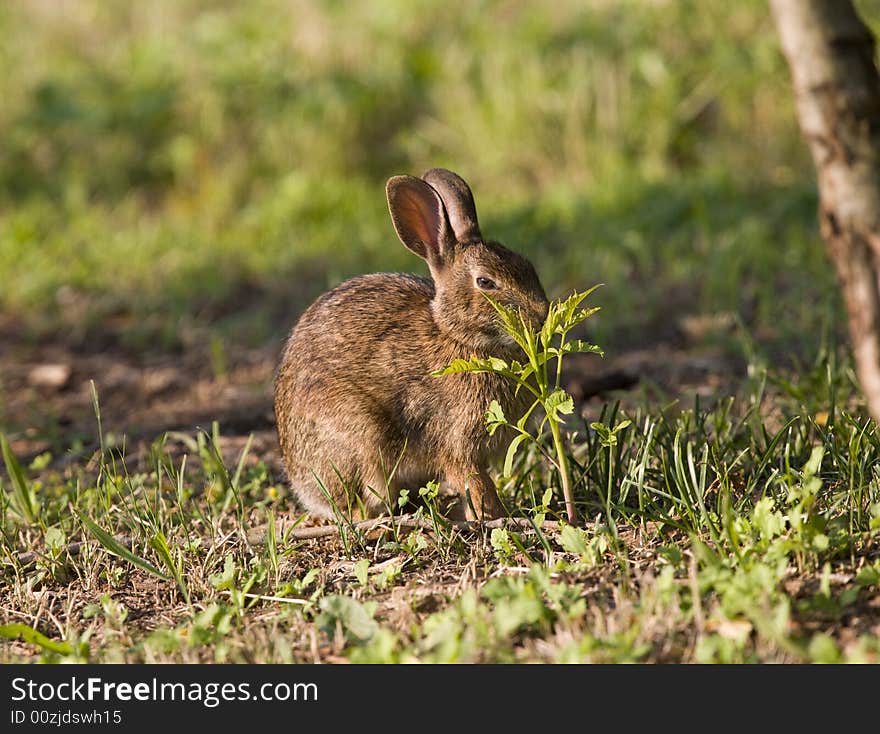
837,90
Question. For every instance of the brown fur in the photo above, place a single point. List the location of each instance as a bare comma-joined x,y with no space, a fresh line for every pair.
354,394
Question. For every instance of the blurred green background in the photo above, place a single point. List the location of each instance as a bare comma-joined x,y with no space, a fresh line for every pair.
180,168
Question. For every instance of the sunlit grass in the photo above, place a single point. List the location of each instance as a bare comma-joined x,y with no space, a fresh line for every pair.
729,534
180,167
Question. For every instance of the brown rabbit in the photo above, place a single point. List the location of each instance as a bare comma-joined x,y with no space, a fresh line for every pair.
356,405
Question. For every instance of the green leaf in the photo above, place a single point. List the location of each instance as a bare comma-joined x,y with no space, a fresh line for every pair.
574,540
454,367
24,498
568,306
550,327
671,553
600,428
360,570
868,575
849,596
512,323
430,491
559,401
823,649
814,463
500,540
55,539
768,522
355,618
511,453
494,417
226,579
160,545
29,634
608,436
310,576
575,299
474,364
580,316
581,347
403,498
117,549
509,317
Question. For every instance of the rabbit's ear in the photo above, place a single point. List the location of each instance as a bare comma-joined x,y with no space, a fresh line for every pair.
418,216
458,202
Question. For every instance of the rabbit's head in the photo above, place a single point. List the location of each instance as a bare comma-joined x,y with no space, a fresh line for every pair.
435,217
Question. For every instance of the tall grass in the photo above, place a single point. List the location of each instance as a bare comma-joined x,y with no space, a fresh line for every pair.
182,162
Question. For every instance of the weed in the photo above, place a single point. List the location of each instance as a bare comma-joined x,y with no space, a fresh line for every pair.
541,347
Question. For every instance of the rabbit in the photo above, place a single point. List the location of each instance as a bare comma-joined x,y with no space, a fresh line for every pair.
359,415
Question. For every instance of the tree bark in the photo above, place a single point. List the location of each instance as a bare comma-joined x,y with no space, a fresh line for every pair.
837,91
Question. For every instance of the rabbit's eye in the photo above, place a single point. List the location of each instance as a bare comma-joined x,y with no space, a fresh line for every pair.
486,284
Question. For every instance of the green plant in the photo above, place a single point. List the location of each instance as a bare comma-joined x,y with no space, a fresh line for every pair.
24,499
113,546
541,376
70,651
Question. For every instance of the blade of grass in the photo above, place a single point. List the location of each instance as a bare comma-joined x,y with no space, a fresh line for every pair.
272,544
25,500
117,549
160,544
236,477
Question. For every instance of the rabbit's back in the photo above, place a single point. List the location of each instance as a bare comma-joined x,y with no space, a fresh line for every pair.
350,333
